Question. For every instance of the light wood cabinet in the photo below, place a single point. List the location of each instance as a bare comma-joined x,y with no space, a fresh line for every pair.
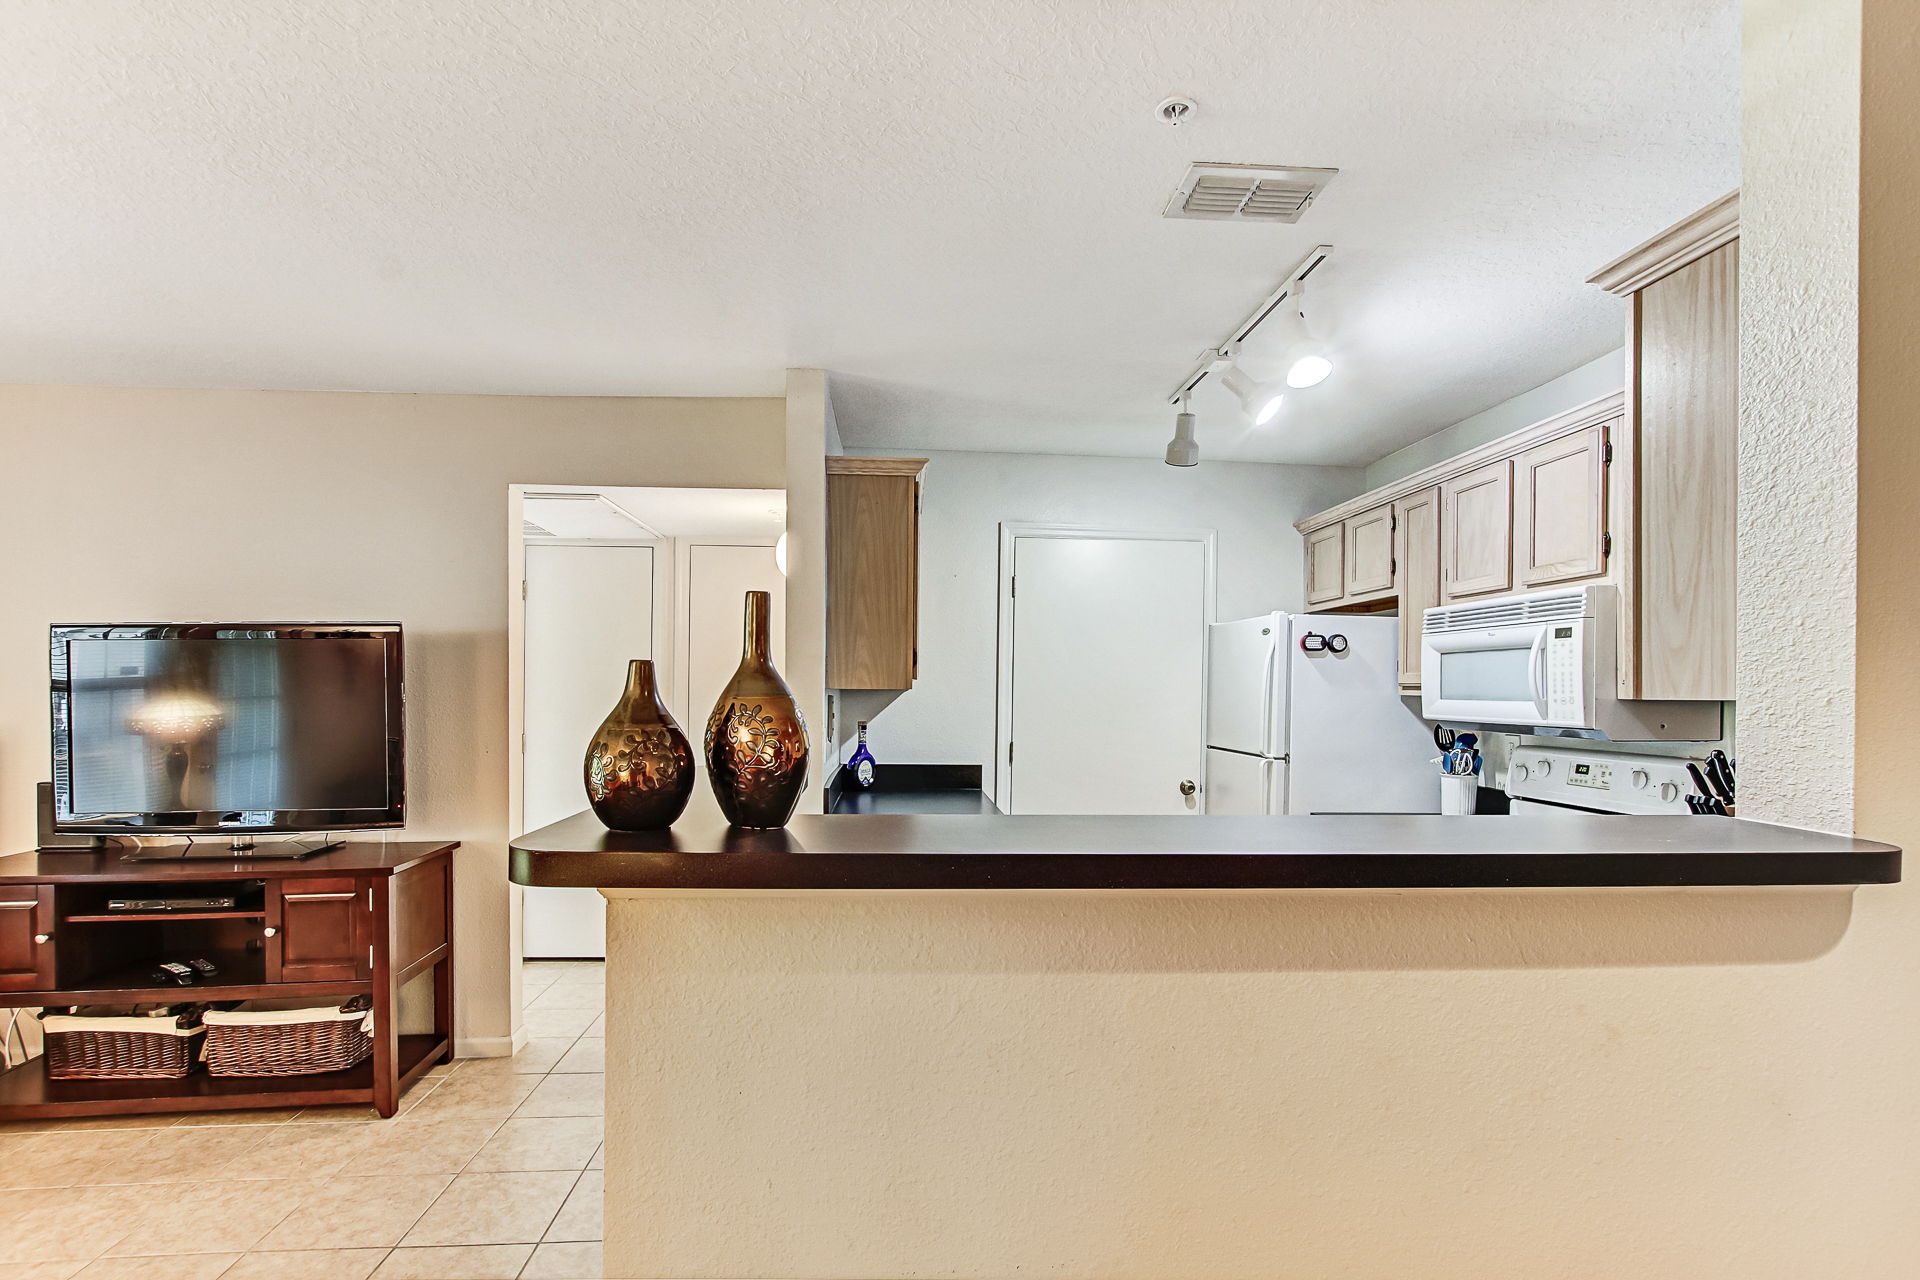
1476,532
873,572
1326,559
1560,503
1417,550
1675,504
1368,549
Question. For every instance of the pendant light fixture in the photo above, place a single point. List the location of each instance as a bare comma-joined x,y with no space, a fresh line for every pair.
1183,450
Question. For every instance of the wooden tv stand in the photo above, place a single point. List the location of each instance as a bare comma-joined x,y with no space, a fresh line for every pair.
360,919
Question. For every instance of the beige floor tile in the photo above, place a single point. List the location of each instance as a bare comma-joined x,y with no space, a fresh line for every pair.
300,1150
88,1220
588,1055
576,1261
416,1093
571,995
247,1115
531,1145
418,1146
63,1159
356,1213
234,1213
455,1262
307,1264
598,1027
188,1155
493,1208
546,1023
579,1217
89,1124
583,971
465,1097
539,1056
599,1160
558,1095
64,1269
183,1266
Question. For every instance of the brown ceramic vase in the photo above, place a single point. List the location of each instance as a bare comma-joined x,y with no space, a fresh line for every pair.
756,741
640,766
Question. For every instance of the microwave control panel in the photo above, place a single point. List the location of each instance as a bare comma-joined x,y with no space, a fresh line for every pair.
1564,702
1596,774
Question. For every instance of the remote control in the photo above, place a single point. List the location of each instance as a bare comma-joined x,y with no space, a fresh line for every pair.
172,971
205,968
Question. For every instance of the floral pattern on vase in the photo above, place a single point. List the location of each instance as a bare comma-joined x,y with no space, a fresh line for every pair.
639,768
756,743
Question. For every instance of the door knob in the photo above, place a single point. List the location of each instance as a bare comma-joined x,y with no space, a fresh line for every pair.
270,931
1187,788
43,938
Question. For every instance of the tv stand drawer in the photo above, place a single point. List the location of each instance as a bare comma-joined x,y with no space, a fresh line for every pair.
319,929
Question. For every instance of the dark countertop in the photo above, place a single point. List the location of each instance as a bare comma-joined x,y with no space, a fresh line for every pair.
913,788
948,851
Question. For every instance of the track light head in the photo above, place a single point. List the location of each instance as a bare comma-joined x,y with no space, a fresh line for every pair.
1183,450
1309,367
1260,400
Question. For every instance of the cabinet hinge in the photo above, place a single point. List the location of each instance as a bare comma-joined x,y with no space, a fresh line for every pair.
1606,454
1009,753
1013,587
1606,545
523,588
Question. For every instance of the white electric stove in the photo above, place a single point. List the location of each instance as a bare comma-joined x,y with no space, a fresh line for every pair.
1570,780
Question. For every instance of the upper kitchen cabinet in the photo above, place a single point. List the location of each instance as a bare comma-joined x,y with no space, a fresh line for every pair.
1369,554
1560,509
1326,558
873,572
1416,543
1677,617
1476,531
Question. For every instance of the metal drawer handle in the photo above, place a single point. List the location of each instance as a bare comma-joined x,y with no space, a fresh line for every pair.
317,897
19,906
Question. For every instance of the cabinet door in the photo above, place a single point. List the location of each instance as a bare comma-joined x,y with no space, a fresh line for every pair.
1561,508
26,916
1325,576
873,572
322,930
1417,548
1369,551
1476,527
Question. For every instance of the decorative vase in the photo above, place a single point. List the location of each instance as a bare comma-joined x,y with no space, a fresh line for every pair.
640,766
756,741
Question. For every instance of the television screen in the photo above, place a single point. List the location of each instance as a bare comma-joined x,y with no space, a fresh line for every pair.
202,727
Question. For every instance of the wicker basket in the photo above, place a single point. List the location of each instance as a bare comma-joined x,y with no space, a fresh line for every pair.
93,1047
289,1042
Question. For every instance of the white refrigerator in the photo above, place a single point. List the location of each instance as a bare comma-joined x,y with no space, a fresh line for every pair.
1304,715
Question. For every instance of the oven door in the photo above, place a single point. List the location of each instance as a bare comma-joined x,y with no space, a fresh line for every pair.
1518,808
1492,676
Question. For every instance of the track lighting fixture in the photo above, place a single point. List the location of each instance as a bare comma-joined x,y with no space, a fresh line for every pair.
1183,450
1307,363
1260,400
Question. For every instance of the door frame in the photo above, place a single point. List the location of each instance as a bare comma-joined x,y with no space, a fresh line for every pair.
1012,530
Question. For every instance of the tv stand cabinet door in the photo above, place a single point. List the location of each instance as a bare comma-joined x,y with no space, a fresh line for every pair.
26,937
322,930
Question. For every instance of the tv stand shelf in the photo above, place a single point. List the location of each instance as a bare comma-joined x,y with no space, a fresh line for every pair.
360,919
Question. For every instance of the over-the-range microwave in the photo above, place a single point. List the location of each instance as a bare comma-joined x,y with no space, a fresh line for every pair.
1544,664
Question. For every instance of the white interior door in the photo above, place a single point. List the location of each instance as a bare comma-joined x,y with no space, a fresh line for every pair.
717,577
589,610
1107,659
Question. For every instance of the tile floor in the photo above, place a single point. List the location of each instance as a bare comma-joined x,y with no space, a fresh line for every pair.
491,1169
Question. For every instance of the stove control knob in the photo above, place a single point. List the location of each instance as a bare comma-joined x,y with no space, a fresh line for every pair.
1669,792
1543,767
1640,779
1519,773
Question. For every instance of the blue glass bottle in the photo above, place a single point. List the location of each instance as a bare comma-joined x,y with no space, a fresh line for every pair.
861,762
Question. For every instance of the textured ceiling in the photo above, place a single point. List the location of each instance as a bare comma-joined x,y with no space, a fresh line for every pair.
954,207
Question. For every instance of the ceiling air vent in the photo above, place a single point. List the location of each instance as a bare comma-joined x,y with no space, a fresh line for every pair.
1247,192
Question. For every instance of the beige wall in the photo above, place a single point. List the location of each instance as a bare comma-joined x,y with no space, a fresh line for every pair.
152,505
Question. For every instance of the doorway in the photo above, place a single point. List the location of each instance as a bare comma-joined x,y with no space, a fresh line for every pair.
1102,669
600,576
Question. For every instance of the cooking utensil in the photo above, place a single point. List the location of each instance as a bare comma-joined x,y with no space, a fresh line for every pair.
1720,774
1443,737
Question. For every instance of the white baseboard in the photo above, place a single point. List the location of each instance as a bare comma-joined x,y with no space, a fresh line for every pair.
491,1046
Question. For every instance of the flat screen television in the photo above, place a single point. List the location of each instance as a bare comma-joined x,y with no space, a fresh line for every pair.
229,729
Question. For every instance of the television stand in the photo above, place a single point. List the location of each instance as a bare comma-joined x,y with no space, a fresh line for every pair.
238,849
362,919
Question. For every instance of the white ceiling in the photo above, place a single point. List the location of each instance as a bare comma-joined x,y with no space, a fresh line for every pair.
954,207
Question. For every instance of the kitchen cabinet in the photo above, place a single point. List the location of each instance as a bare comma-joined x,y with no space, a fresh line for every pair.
1326,559
1476,532
1677,518
1368,552
1417,550
873,572
1560,501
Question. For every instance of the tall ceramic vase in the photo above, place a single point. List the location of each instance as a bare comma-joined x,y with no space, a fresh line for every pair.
639,766
756,740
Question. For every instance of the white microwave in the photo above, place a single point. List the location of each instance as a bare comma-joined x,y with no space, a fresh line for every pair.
1544,664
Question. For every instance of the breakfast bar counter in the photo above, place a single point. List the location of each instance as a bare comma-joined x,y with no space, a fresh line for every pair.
890,1046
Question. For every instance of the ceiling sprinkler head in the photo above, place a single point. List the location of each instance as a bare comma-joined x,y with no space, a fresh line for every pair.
1176,110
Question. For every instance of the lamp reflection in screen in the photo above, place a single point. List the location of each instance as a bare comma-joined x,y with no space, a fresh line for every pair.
175,720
